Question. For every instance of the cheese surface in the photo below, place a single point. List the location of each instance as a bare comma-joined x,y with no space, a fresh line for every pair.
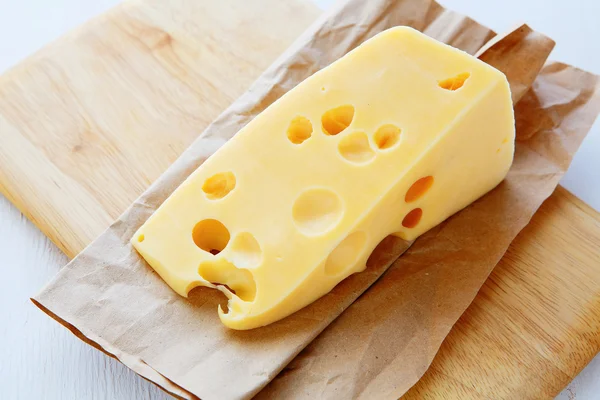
393,138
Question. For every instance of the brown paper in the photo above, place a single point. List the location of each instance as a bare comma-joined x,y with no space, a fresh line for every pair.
110,298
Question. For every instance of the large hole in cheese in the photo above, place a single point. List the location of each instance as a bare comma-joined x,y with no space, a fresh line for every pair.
210,235
387,136
346,254
219,185
222,272
316,211
454,83
300,129
355,148
418,189
337,119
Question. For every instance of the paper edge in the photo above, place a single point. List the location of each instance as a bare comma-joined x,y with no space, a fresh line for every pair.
135,364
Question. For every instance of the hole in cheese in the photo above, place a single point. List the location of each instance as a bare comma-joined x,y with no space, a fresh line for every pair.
141,238
454,83
316,211
346,254
300,129
245,251
387,136
355,148
223,273
210,235
337,119
219,185
418,189
412,218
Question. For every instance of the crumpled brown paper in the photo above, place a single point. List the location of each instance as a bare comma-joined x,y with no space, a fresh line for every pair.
384,342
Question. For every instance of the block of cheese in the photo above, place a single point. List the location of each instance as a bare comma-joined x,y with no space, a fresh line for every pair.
393,138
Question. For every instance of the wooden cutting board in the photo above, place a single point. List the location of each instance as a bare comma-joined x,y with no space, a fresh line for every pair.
90,121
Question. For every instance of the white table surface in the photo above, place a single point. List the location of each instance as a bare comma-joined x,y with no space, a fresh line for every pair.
41,360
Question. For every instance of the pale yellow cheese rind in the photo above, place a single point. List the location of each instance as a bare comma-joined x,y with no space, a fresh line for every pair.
300,197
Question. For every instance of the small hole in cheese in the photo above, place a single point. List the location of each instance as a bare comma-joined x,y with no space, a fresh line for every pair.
346,254
418,189
210,235
355,148
219,185
141,238
337,119
387,136
300,129
454,83
245,251
412,218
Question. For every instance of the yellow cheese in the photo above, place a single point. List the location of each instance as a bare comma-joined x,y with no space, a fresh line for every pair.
393,138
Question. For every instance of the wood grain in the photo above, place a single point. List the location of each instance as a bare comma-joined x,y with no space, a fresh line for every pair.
90,121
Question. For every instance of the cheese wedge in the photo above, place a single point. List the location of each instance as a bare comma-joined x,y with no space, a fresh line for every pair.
393,138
